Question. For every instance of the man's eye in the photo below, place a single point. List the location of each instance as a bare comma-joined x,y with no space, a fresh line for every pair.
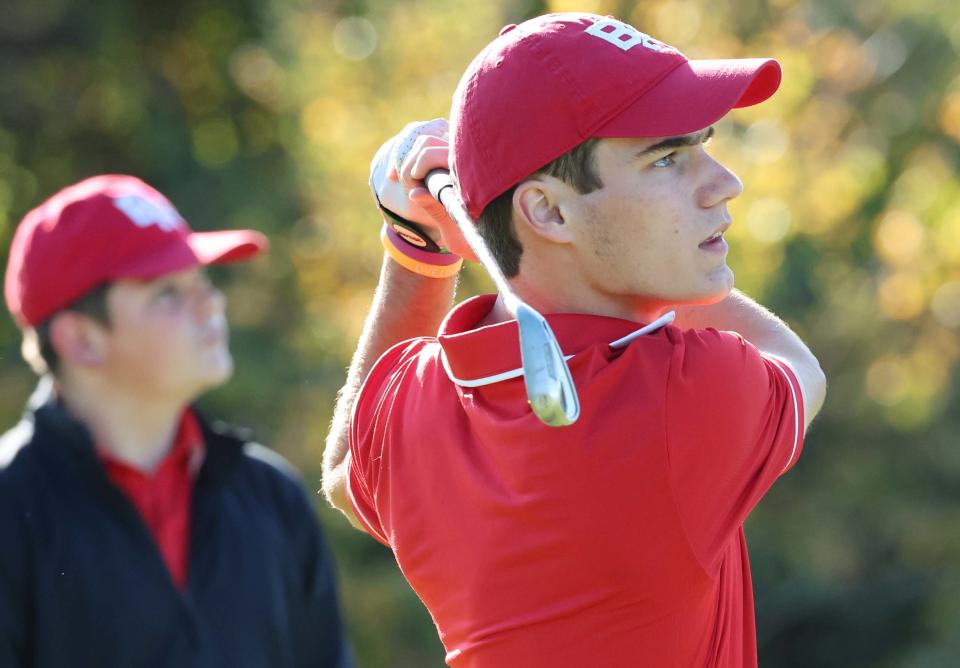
666,161
169,292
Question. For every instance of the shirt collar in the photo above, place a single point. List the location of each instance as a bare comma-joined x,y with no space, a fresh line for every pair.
186,453
475,356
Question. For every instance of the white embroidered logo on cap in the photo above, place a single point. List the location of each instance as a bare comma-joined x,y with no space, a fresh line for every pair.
144,212
625,36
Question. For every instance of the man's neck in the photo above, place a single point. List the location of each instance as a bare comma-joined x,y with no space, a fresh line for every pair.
130,428
577,301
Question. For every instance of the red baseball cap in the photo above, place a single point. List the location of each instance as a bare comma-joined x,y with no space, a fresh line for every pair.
550,83
103,229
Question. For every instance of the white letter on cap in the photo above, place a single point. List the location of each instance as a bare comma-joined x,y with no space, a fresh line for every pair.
624,36
142,212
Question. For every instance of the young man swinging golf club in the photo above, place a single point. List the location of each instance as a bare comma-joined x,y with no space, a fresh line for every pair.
577,146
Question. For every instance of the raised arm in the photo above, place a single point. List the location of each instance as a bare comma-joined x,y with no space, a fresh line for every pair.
755,323
406,304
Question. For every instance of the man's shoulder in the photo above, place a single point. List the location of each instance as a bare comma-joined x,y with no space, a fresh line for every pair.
705,337
43,423
15,445
18,466
269,462
420,348
710,354
261,467
423,355
242,441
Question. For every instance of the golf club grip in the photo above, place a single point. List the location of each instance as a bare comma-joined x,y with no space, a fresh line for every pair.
440,184
438,181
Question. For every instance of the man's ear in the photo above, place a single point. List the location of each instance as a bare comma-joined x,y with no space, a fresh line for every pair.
537,206
78,340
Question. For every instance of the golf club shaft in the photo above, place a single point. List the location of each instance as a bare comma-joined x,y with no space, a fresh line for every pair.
550,389
440,185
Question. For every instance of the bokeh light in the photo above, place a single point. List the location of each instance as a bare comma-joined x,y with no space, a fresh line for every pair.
354,38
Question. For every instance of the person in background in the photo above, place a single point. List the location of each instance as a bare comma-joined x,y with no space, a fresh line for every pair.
135,532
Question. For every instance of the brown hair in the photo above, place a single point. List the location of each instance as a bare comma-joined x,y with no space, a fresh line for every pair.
495,223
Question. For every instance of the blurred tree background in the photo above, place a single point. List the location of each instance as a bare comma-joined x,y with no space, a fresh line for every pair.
265,114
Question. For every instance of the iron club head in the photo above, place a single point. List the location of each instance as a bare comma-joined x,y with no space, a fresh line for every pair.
550,388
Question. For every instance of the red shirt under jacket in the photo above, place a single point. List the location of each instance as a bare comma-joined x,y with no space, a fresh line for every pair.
163,498
614,542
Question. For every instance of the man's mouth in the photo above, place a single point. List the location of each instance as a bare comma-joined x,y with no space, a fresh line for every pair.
213,335
715,242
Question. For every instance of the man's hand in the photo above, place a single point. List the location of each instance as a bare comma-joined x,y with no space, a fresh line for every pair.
406,304
396,179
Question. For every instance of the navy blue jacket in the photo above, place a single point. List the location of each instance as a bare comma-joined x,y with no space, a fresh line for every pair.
83,584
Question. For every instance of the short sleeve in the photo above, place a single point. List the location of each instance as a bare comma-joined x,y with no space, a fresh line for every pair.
368,429
734,425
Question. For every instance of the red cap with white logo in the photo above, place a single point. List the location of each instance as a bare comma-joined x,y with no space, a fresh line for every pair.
550,83
103,229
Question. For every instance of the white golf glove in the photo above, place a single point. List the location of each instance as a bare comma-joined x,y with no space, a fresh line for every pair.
419,147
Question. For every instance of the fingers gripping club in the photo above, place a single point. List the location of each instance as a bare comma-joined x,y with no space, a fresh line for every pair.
403,215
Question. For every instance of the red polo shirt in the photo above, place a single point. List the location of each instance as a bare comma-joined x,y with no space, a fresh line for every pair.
163,497
614,542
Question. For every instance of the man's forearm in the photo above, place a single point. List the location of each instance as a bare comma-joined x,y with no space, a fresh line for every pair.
748,318
405,306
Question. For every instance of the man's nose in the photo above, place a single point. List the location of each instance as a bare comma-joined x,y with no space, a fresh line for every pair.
721,185
209,300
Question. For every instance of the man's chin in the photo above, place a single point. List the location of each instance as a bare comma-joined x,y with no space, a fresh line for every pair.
721,288
221,376
216,376
714,294
720,296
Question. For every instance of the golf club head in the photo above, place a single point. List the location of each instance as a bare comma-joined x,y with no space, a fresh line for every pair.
550,388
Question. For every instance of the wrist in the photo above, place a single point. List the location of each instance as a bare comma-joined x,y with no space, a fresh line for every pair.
411,258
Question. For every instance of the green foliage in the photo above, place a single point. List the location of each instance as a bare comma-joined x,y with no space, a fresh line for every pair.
266,115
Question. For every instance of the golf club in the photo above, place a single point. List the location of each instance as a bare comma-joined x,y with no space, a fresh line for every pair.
550,389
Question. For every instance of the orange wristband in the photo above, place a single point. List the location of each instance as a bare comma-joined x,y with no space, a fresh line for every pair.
432,265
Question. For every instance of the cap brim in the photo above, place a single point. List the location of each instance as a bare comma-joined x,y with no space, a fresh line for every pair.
201,248
696,95
225,246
